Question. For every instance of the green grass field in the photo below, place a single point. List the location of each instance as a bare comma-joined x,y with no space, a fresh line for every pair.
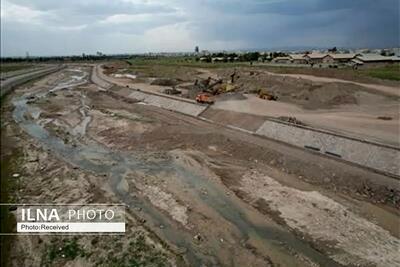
164,64
391,72
185,62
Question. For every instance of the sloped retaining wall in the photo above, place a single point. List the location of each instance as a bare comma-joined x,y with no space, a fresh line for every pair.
9,84
376,156
165,102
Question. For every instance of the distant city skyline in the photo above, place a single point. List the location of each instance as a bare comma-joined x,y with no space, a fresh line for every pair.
49,28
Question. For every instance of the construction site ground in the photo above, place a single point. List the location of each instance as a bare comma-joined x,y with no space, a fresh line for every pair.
198,193
365,110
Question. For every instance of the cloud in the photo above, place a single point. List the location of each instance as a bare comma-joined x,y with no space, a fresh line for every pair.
11,12
132,26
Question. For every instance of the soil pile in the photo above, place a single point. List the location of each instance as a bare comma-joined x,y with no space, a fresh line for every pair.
308,94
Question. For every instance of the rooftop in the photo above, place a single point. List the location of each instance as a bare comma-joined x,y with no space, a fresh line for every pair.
316,55
343,56
375,57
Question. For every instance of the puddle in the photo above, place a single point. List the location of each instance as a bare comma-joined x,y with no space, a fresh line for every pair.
80,129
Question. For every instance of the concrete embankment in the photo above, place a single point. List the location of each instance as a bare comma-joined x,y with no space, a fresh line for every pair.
96,78
185,106
373,155
165,102
12,82
380,157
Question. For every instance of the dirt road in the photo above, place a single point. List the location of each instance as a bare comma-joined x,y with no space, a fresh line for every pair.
199,194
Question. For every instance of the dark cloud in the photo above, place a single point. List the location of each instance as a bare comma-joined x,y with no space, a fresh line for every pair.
264,24
96,7
77,26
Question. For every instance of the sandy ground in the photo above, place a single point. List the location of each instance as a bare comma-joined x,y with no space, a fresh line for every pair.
198,193
322,218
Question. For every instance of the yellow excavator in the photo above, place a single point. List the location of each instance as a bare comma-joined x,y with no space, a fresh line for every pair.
263,94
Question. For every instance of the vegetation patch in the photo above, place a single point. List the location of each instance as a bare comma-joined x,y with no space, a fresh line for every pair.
62,250
138,253
390,72
13,67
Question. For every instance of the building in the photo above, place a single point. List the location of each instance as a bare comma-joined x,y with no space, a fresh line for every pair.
282,60
322,58
196,49
342,58
317,58
298,58
205,59
218,59
373,60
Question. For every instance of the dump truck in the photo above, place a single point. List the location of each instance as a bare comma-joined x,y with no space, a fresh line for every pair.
204,98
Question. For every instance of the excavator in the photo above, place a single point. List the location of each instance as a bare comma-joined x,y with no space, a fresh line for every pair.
267,96
211,86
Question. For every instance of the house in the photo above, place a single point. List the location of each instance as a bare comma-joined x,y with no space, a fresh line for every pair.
374,58
298,58
356,62
317,58
218,59
342,58
282,60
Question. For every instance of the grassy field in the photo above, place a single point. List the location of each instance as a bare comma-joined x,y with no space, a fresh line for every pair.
391,72
387,75
185,62
13,67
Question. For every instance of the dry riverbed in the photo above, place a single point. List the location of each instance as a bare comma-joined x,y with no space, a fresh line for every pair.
197,193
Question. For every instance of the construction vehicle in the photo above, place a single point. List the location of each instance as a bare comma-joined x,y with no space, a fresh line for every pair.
204,98
208,85
265,95
172,91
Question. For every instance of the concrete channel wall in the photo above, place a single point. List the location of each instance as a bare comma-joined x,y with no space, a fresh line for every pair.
165,102
10,83
379,157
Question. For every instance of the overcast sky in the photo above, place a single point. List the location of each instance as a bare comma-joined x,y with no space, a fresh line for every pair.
62,27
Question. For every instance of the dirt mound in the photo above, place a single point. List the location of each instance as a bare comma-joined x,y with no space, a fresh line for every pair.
231,96
164,82
343,100
110,68
310,95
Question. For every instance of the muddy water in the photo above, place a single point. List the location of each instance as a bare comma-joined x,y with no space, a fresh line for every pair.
249,223
80,129
98,159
